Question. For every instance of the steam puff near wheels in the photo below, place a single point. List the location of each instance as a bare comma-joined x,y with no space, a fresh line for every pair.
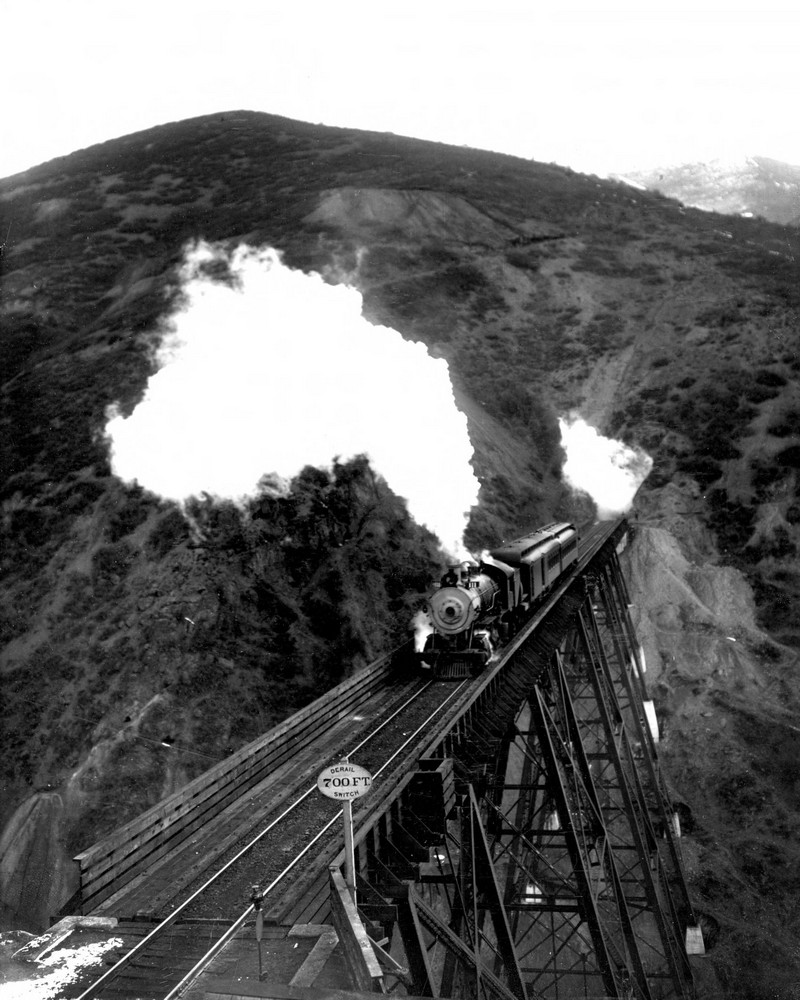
275,370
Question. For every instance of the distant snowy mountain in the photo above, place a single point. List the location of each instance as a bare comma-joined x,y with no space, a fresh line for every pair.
754,186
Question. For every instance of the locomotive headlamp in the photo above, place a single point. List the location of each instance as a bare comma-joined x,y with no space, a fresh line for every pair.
450,609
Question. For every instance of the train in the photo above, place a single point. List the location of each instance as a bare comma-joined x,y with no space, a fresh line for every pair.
478,606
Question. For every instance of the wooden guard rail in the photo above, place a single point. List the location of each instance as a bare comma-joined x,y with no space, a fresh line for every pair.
365,970
111,863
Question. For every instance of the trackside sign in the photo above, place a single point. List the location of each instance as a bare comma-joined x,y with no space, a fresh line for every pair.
344,781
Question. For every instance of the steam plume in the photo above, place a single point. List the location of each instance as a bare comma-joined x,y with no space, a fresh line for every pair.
278,370
421,624
609,471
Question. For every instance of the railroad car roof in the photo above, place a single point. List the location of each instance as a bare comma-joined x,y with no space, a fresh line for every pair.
542,540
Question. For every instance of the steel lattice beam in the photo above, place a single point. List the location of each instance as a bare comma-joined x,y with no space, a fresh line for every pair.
556,871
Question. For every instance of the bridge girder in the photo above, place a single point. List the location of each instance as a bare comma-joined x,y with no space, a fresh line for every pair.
553,869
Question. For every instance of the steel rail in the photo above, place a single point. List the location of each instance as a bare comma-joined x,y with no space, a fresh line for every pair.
596,538
114,859
231,932
172,917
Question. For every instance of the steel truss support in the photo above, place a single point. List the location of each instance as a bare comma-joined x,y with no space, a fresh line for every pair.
555,869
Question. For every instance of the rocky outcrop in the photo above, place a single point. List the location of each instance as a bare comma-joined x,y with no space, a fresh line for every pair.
34,879
726,696
685,610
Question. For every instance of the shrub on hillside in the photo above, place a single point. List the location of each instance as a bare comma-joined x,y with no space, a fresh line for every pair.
775,274
766,376
716,413
129,514
719,317
764,474
789,457
23,335
778,545
759,392
741,792
525,260
110,564
604,260
776,606
703,470
786,424
733,523
655,393
603,332
170,530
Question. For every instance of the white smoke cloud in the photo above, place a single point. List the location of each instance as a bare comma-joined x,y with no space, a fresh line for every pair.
421,623
609,471
283,371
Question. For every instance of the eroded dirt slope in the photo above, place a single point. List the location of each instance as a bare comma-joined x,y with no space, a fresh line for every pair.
728,703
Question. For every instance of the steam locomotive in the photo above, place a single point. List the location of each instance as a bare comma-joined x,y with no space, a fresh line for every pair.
478,605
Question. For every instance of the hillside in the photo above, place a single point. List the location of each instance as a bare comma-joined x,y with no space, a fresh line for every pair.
546,291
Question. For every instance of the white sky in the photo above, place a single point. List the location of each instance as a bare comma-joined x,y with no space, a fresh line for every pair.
599,88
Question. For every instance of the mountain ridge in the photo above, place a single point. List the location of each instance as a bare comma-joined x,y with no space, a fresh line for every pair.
546,291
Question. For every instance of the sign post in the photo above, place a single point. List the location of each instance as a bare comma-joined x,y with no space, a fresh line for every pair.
345,782
349,848
256,898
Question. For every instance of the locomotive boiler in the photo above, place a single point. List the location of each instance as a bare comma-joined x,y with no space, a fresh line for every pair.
478,606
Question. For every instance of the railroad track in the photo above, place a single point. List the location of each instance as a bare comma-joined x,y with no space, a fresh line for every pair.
271,857
277,855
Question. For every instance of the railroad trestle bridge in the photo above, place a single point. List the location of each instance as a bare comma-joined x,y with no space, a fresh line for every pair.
523,844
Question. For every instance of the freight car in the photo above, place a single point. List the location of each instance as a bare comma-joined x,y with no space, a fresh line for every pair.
480,605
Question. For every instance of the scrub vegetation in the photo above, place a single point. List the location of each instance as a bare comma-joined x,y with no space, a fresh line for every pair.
127,620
